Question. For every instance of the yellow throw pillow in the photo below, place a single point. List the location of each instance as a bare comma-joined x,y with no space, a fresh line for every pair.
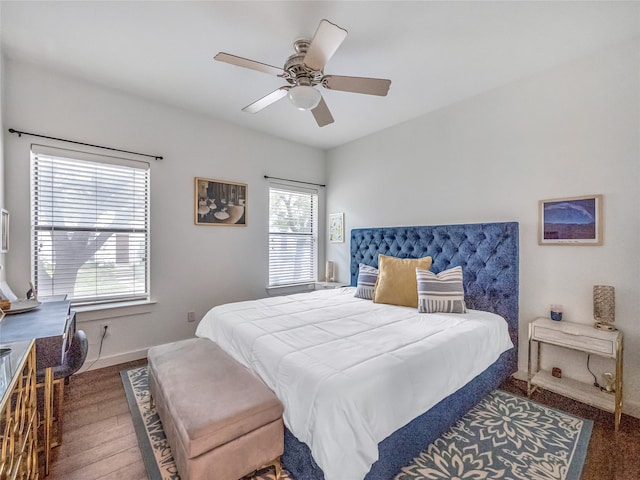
397,284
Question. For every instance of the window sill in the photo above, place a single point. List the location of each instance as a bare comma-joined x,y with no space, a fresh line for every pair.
291,288
88,313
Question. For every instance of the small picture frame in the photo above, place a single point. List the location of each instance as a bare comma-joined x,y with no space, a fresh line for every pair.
4,231
218,202
336,227
570,221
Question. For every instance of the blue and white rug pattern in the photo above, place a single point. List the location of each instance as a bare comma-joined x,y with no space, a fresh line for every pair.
152,441
508,438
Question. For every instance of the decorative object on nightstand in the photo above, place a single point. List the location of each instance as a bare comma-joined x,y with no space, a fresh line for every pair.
329,271
604,307
555,312
582,338
608,382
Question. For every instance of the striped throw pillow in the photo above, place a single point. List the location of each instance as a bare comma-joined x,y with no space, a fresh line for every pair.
443,292
367,277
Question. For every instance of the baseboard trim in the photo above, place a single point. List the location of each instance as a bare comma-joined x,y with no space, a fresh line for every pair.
629,407
114,360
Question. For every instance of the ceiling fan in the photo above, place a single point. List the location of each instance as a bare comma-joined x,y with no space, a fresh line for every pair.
304,71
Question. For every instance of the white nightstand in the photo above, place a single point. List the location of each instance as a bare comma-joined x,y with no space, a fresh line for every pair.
583,338
329,285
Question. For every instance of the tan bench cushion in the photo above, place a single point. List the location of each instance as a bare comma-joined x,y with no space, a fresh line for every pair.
212,398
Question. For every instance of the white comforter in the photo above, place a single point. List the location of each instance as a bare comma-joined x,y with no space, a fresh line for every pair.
350,372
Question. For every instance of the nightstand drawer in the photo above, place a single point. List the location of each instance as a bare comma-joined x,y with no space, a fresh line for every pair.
575,340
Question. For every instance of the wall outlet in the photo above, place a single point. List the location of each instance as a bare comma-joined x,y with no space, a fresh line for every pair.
101,331
191,317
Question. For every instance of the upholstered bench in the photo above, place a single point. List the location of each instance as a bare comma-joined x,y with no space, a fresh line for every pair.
222,422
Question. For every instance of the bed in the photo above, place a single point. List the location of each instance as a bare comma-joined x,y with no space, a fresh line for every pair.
336,403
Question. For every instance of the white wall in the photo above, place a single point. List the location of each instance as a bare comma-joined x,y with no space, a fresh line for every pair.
572,130
192,267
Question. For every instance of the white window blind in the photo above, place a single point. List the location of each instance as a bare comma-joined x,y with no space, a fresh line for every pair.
90,226
293,230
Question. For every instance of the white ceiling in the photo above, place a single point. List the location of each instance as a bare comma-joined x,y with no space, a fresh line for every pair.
435,53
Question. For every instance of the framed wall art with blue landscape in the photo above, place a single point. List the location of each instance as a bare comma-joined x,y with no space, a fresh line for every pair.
571,221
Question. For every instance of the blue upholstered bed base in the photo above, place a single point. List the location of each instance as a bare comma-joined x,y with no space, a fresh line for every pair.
488,255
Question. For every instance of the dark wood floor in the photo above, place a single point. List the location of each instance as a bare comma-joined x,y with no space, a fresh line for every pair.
99,441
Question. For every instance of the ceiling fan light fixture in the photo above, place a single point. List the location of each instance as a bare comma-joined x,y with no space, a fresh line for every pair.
304,97
304,70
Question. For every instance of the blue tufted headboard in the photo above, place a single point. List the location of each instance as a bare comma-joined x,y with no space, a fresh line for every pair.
487,253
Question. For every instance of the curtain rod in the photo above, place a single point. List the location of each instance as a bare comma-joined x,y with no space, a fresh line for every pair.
11,130
296,181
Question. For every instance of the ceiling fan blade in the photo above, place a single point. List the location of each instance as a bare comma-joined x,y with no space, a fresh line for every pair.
267,100
322,114
246,63
327,39
369,86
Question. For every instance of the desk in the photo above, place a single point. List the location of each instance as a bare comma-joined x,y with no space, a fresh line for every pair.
51,325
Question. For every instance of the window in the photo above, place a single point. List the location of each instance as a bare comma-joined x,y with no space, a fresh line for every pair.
89,226
293,232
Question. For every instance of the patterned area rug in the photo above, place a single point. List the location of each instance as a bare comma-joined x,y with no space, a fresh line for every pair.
503,437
